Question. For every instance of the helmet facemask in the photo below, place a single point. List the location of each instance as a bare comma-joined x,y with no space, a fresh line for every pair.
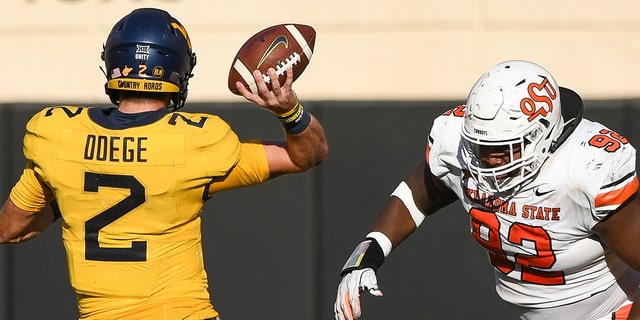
513,108
522,165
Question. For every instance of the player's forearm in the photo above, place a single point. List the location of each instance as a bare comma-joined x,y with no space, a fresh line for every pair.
308,148
17,225
394,221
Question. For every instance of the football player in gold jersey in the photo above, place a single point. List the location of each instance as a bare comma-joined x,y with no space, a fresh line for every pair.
129,182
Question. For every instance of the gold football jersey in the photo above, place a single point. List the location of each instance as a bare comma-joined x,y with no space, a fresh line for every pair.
130,201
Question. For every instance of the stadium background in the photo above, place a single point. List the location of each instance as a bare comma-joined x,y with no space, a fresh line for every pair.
381,71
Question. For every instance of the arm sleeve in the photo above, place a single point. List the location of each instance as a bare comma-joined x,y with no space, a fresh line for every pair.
29,193
251,169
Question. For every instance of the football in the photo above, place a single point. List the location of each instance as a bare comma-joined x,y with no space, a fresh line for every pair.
279,47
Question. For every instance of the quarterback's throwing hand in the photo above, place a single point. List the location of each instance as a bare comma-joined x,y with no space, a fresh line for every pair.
347,306
277,98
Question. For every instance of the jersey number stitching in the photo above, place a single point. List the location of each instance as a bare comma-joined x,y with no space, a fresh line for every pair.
138,249
486,230
608,140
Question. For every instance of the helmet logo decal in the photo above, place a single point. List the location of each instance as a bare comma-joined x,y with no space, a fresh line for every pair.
126,70
480,132
131,85
182,30
115,73
142,52
143,70
279,40
158,72
543,92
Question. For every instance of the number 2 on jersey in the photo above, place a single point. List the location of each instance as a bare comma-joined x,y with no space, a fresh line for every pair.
486,230
138,249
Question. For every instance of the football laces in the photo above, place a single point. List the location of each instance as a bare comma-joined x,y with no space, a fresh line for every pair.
281,68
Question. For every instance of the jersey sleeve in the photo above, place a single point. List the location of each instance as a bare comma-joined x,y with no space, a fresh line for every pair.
217,148
619,183
444,141
29,193
607,173
30,141
252,168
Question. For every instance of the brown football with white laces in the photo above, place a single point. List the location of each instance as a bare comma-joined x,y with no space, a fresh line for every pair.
279,47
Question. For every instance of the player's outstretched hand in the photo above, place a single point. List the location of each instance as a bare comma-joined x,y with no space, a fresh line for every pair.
274,97
347,306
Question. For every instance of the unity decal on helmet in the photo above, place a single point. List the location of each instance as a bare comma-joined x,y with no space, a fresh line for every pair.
528,105
142,52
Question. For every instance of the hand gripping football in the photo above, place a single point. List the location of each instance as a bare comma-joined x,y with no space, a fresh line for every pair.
279,47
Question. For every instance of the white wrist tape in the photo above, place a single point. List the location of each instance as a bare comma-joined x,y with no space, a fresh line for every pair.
383,241
403,192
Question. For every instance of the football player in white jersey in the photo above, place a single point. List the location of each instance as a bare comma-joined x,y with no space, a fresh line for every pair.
551,196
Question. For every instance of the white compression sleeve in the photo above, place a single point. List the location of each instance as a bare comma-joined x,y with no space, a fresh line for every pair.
403,192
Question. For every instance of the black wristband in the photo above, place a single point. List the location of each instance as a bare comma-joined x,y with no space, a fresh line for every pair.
295,120
368,254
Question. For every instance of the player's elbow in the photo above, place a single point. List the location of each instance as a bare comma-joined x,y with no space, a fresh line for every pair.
8,238
320,156
7,235
314,159
4,239
17,238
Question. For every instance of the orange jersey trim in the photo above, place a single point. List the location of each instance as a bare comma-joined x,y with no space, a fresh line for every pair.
622,313
618,196
426,153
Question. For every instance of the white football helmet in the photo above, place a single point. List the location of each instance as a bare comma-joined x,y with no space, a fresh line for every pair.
515,106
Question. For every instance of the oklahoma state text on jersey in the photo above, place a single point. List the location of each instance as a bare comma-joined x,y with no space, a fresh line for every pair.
540,241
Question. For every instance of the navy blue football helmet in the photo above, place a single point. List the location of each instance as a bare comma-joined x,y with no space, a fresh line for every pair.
149,51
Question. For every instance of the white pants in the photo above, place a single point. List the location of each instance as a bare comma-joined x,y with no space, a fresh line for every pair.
600,306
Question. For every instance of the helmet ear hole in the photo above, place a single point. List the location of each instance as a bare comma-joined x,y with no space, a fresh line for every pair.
545,122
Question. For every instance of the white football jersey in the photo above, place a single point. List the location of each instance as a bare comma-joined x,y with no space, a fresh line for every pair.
539,240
